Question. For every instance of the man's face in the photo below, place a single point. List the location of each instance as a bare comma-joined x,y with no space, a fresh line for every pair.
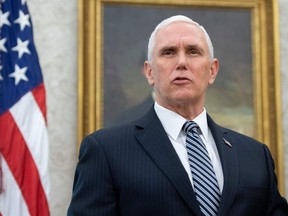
180,69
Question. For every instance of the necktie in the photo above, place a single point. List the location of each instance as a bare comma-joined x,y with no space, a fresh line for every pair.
204,179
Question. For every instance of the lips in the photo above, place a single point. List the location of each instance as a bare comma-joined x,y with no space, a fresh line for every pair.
181,80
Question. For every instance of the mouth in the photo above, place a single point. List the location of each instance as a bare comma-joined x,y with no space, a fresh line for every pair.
181,80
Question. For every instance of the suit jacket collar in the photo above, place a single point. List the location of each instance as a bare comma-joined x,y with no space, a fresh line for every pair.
154,140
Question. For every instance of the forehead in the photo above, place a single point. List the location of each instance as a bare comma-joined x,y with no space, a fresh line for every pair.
180,31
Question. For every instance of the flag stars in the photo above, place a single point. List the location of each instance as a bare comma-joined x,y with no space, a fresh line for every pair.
2,44
1,78
19,74
23,20
21,48
4,18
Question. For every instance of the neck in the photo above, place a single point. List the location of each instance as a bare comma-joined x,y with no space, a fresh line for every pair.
187,111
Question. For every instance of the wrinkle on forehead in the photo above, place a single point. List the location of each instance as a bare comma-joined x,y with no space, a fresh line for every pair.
180,34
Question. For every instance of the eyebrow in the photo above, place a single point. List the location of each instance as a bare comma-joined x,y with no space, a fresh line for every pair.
195,47
188,47
165,48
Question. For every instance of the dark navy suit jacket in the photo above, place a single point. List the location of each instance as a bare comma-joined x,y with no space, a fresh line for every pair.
133,170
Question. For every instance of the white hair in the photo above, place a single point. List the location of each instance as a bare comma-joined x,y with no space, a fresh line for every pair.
168,21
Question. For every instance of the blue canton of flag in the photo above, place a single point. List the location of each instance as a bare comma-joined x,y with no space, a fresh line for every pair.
19,69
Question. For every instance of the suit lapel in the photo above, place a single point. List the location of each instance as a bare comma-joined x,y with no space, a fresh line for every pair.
154,140
229,161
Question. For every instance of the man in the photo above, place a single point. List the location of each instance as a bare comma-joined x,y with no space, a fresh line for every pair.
148,167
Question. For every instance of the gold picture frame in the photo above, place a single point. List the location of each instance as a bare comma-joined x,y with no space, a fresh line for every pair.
263,28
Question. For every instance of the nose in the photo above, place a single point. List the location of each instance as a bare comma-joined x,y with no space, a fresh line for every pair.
182,62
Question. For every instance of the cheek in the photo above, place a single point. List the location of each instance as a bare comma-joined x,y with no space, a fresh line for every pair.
160,82
165,64
204,74
162,72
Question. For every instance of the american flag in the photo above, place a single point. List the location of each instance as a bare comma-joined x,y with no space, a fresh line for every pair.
24,180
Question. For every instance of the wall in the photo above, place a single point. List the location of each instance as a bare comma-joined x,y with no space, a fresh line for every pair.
55,32
283,15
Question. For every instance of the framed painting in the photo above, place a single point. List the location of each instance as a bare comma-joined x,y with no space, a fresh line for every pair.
113,38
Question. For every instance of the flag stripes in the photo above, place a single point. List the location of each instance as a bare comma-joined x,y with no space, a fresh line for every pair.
14,193
22,152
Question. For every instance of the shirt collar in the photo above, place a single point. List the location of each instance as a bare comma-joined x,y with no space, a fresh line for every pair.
201,120
173,122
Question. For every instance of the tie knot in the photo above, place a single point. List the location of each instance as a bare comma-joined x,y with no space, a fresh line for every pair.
190,126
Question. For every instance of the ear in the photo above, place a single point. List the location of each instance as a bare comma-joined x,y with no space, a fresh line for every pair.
213,71
148,72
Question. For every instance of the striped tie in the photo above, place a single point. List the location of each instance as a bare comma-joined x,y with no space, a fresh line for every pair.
204,179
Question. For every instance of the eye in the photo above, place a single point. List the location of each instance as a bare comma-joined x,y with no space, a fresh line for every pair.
193,52
169,52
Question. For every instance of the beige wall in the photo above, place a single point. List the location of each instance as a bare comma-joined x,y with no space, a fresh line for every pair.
55,32
283,16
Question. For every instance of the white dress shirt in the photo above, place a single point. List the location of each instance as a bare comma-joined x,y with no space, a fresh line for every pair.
173,123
